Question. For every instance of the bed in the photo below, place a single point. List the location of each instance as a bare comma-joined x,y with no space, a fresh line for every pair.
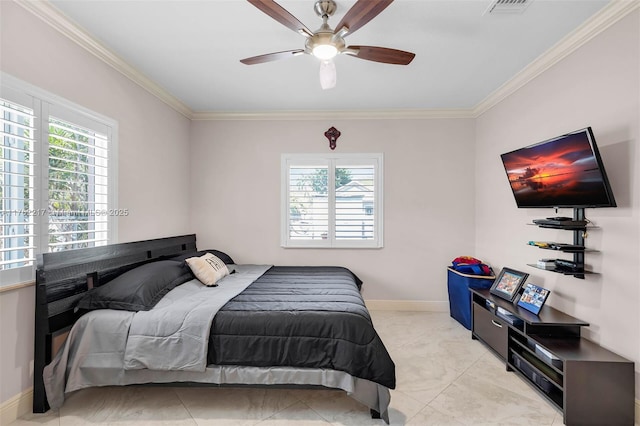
263,325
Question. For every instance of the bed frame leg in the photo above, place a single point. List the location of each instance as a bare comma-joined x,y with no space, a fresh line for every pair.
374,414
42,349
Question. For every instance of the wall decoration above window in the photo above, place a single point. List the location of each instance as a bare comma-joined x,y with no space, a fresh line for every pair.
332,134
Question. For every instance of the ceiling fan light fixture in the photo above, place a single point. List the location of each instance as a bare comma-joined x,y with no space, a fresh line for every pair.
326,43
325,52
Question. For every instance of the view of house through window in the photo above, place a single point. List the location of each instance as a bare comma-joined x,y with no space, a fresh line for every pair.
332,201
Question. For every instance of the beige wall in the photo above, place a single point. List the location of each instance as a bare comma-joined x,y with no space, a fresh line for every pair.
597,86
428,196
153,142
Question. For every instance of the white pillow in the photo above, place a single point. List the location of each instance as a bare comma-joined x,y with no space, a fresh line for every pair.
209,269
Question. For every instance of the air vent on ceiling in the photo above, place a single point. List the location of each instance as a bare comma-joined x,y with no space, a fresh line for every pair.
508,6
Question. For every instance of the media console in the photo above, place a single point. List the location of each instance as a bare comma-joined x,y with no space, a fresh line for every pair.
589,384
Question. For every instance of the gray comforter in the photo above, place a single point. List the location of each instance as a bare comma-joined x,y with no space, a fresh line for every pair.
174,335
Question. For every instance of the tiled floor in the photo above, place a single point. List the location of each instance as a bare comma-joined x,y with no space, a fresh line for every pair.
443,378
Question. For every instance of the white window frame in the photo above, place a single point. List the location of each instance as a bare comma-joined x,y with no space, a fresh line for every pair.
333,160
45,104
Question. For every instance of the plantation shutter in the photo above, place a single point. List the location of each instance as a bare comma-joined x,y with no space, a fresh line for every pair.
78,190
355,201
332,200
17,209
308,202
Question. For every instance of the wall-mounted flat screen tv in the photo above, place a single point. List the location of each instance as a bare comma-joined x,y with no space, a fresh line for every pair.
566,171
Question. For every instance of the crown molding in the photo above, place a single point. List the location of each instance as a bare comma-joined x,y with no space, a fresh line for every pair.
606,17
397,114
60,22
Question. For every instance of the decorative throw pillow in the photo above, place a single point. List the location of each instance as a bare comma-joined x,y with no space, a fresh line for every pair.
209,269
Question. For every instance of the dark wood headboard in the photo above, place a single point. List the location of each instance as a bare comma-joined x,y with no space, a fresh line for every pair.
63,277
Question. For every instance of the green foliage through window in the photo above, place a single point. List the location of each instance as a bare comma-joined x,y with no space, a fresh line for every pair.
320,182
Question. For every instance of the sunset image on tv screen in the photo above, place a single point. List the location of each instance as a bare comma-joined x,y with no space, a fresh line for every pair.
561,172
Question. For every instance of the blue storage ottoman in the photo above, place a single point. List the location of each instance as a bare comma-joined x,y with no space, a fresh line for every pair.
459,295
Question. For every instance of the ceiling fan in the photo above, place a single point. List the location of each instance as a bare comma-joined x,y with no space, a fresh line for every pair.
325,43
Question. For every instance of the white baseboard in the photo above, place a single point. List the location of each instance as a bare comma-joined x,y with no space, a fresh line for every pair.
16,407
407,305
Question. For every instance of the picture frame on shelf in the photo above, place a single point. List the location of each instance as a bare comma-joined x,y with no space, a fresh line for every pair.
508,283
533,297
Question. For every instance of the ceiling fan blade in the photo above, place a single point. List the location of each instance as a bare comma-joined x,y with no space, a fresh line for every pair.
272,57
381,54
281,15
361,13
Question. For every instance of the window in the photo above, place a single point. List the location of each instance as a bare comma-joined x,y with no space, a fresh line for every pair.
17,231
332,200
78,187
57,168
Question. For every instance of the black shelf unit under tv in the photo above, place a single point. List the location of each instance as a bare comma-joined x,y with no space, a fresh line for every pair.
588,383
578,240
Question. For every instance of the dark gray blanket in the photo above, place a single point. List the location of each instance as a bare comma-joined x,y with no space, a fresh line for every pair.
301,317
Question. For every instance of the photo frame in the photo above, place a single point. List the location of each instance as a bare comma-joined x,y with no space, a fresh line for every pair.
507,284
533,297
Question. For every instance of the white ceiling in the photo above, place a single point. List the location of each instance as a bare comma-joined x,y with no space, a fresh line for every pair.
192,49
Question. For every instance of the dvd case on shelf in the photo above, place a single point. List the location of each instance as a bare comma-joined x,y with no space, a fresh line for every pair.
508,316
